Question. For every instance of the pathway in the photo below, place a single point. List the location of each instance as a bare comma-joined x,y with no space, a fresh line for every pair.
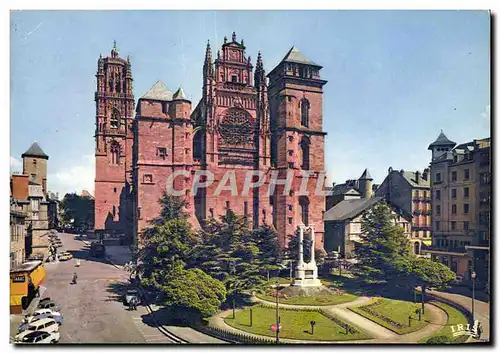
481,309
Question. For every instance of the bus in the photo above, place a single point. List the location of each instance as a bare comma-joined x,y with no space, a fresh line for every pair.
25,282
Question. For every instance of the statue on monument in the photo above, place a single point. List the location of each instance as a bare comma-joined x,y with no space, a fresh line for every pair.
306,274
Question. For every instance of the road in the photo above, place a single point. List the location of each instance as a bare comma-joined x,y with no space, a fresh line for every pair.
93,309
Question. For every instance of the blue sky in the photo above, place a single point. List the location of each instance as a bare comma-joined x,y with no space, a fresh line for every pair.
395,78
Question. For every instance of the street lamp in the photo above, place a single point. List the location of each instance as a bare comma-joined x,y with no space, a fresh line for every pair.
473,276
277,311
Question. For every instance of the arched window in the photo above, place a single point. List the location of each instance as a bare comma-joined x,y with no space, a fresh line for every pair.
304,112
115,119
304,148
115,153
197,145
304,209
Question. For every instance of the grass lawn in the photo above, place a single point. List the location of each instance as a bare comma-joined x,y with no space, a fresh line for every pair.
317,300
455,317
282,280
294,325
396,310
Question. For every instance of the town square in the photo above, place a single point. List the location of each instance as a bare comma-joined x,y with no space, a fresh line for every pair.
250,177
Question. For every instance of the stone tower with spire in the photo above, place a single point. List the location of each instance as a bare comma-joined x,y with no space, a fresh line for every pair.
113,144
35,165
366,185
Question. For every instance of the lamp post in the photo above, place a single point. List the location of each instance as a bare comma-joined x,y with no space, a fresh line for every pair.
277,312
473,276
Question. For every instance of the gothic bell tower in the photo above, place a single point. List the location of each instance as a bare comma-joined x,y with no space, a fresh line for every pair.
114,140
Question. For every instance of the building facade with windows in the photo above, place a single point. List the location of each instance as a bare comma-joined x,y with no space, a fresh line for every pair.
244,122
18,235
459,183
28,193
411,192
344,224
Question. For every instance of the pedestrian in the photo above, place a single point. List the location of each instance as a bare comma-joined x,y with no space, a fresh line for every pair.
479,331
75,277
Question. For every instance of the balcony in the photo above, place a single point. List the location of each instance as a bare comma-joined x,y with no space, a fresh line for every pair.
419,228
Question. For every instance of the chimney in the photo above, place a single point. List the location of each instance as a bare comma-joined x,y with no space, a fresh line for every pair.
417,175
425,173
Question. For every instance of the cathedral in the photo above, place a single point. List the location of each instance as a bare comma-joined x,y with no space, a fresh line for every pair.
245,121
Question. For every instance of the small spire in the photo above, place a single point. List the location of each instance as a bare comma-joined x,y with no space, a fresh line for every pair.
100,56
249,59
225,39
114,44
242,43
234,36
218,54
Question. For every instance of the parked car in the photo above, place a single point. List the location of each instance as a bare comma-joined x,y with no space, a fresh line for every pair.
49,304
43,300
56,318
39,337
46,325
458,280
97,250
37,313
131,293
65,256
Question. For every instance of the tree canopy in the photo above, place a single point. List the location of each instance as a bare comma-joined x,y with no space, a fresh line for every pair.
77,211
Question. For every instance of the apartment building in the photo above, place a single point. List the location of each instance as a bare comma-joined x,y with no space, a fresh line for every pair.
460,187
411,192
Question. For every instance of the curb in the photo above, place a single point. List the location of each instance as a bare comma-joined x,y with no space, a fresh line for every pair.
160,327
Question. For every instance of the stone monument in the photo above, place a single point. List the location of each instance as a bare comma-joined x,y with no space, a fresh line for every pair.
306,274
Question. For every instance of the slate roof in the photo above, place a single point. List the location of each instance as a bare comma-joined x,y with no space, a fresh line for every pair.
411,178
35,151
349,209
294,55
442,140
179,94
366,175
342,189
159,92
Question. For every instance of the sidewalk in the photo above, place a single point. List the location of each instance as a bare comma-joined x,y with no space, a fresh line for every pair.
119,255
481,309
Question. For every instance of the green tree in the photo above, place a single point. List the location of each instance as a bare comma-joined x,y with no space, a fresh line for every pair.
77,211
228,253
271,254
427,273
162,246
172,207
190,290
384,251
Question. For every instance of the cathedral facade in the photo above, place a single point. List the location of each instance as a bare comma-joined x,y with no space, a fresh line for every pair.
246,127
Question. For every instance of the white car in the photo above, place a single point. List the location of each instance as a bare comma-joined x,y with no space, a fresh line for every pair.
39,337
45,325
29,318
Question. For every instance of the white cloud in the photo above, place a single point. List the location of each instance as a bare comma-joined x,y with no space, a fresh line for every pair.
74,178
16,165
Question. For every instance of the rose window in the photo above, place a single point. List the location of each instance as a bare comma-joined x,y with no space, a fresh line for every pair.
235,127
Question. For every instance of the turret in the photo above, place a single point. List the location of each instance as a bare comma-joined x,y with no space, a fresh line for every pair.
366,185
441,145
